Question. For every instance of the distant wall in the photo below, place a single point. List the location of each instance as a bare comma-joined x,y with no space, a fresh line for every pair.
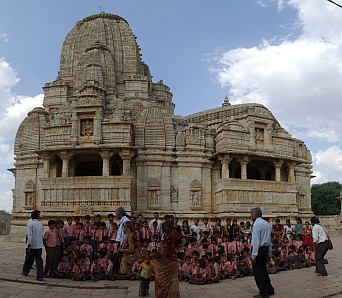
5,224
332,222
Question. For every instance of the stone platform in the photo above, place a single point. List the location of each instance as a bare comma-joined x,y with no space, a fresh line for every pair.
295,283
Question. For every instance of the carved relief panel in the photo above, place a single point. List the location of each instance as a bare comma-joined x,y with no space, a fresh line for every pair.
173,194
195,195
30,196
153,193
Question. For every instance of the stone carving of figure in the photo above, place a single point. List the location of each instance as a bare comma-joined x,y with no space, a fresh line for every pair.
173,194
29,199
196,199
259,135
87,128
154,197
194,135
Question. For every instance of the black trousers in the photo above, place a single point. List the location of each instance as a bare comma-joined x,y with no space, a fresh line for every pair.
34,255
261,277
321,250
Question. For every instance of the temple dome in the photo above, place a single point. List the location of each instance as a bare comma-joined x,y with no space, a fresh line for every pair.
105,42
28,138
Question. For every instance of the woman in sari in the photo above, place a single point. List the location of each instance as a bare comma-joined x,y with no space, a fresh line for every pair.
126,251
166,266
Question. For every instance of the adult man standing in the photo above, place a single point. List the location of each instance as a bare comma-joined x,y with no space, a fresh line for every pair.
156,218
34,246
320,238
261,243
121,214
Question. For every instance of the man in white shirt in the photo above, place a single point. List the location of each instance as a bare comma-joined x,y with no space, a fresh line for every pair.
156,218
320,238
34,246
121,214
262,246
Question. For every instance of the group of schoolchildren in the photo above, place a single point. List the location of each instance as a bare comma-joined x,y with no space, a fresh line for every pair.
89,251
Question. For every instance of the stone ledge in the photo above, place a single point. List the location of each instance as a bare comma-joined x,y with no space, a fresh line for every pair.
83,285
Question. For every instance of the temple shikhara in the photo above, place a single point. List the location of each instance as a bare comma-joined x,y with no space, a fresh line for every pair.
108,137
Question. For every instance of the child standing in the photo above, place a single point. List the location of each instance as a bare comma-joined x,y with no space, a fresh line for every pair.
145,273
50,243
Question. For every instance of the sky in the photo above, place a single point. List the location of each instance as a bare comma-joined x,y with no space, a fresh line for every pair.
284,54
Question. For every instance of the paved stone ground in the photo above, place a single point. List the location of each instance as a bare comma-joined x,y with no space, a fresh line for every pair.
295,283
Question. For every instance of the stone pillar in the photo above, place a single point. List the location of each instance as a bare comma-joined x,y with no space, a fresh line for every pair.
126,156
243,163
225,160
291,174
277,167
46,160
65,156
74,129
106,155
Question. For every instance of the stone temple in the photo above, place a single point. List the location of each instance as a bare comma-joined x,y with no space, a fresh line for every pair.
108,137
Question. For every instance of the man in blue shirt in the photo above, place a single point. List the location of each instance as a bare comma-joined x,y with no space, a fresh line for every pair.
261,243
34,246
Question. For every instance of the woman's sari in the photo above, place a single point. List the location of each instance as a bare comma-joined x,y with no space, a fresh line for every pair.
167,284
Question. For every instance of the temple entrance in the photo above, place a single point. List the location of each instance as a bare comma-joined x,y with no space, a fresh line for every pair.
88,165
116,166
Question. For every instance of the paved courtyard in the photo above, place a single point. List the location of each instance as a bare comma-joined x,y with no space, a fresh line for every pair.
294,283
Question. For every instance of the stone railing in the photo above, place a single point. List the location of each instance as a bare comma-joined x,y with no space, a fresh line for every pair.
239,195
5,224
85,191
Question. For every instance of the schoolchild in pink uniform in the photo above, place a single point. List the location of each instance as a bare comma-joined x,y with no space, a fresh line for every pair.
230,268
145,231
155,244
79,232
155,230
68,232
97,271
50,243
64,268
199,274
78,270
59,238
86,248
212,272
88,227
186,270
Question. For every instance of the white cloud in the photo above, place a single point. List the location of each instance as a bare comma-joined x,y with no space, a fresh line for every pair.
4,37
6,200
298,79
13,109
328,164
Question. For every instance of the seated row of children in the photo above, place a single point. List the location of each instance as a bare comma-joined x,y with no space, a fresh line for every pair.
87,251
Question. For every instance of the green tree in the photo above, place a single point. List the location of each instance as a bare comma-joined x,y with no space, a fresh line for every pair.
323,198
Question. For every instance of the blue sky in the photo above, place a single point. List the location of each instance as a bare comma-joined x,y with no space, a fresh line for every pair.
283,54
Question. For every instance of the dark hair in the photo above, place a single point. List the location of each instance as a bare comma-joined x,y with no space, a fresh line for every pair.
195,252
314,220
87,217
35,214
51,222
110,215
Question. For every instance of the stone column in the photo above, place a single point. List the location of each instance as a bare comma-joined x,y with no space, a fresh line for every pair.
106,155
46,160
126,156
340,198
291,175
225,160
277,167
243,163
74,129
65,156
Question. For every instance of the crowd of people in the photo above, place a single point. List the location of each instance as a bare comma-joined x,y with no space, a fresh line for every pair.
160,249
